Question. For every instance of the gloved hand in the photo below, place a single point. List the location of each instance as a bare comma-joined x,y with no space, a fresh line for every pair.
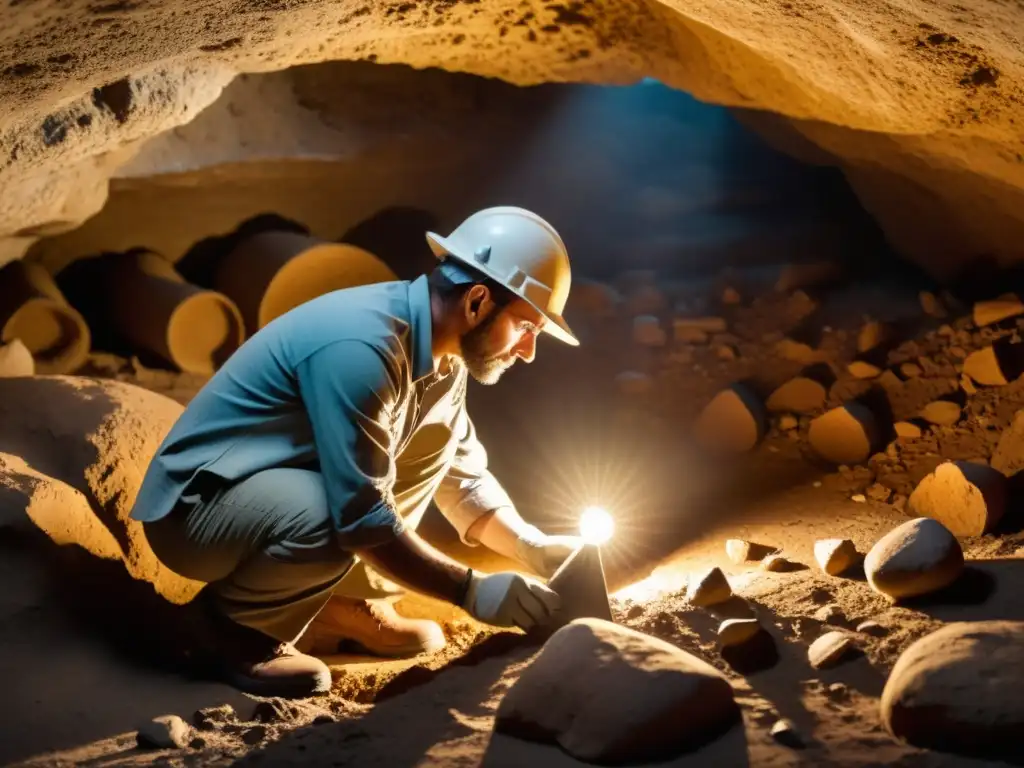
544,554
509,600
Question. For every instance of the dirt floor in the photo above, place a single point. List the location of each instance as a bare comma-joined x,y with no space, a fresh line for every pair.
72,701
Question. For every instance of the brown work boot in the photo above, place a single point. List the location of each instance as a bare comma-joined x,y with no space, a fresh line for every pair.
370,625
254,662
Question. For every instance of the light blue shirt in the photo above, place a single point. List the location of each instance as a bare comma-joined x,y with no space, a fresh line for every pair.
340,384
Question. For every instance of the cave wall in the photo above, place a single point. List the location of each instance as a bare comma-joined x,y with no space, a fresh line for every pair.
641,176
920,105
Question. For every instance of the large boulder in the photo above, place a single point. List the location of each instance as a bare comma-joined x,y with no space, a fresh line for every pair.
611,695
959,690
73,452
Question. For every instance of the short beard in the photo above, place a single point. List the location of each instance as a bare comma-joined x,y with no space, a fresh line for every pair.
480,363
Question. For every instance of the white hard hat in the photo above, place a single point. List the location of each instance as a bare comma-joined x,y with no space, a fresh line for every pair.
519,250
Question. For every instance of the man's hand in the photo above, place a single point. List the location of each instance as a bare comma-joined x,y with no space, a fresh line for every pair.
544,554
509,600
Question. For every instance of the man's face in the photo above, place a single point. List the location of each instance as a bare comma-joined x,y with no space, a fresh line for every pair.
505,334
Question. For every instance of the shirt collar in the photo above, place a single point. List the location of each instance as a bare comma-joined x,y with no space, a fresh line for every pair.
422,322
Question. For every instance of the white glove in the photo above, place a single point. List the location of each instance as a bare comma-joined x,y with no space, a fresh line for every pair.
544,554
509,600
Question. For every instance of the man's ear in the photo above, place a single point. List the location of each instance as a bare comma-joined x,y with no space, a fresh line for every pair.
478,304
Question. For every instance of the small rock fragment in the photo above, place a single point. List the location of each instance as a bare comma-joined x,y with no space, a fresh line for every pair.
688,335
859,498
942,412
916,558
931,305
967,498
784,732
872,628
907,429
797,351
708,588
1009,454
647,331
788,423
742,551
737,631
15,360
708,325
645,300
734,421
989,312
967,385
798,395
830,649
911,370
255,734
835,555
779,564
731,296
725,352
164,732
983,368
634,383
862,369
871,335
845,435
878,492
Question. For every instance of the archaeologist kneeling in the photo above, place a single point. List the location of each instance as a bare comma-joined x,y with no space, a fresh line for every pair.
297,476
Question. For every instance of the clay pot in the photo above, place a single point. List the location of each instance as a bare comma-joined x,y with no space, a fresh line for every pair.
273,272
33,309
154,308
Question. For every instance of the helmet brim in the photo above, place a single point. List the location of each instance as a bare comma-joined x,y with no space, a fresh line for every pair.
556,326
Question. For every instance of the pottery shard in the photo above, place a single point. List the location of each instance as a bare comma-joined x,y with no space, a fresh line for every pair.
16,360
969,499
608,694
708,588
958,690
835,555
845,435
1009,454
942,412
647,331
164,732
983,367
798,395
864,370
733,632
733,422
830,649
918,557
988,312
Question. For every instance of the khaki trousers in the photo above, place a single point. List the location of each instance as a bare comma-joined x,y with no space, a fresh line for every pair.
265,546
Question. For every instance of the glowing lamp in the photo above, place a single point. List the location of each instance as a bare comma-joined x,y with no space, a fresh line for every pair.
596,525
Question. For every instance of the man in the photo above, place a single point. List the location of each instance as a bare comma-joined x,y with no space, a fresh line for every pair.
320,443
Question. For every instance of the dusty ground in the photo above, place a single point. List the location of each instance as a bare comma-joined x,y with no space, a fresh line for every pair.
72,694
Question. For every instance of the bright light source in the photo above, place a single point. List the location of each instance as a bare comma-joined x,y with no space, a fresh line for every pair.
596,525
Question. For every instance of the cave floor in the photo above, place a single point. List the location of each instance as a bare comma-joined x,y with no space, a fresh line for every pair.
72,700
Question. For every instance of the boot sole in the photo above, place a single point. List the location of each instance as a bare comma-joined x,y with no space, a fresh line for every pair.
282,688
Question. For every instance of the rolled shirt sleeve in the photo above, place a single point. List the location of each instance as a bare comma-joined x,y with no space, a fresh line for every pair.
469,490
349,389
